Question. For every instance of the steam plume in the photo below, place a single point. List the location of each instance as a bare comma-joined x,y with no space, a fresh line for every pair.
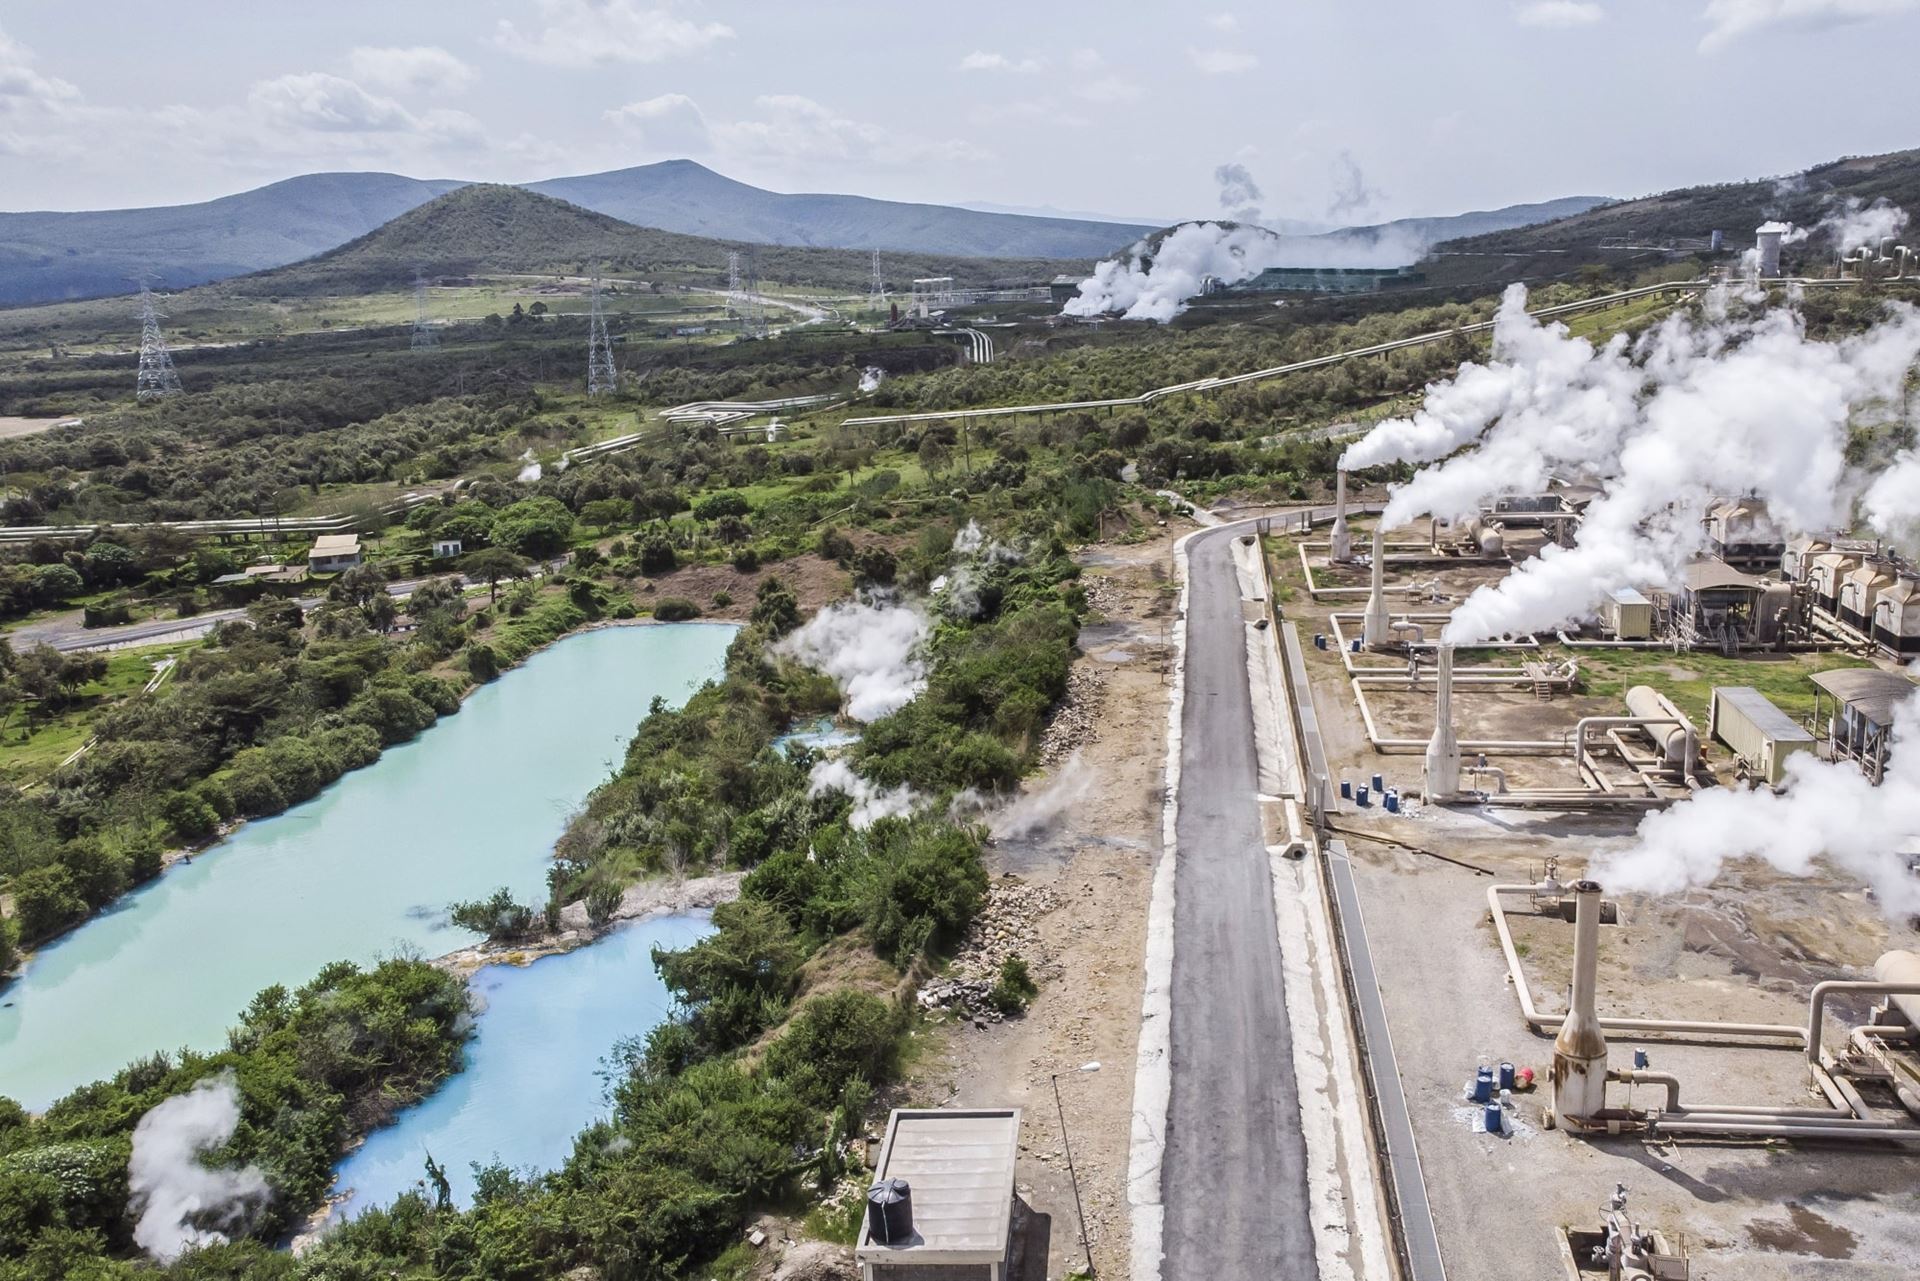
871,651
1854,224
1239,193
871,802
1036,810
1829,809
182,1204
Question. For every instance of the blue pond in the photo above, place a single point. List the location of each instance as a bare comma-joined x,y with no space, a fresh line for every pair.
363,870
532,1073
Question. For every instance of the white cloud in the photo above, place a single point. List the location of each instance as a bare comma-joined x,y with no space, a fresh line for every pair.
1108,89
671,122
585,33
1222,62
1086,60
21,85
424,68
1224,22
797,131
980,60
1728,20
328,103
1558,13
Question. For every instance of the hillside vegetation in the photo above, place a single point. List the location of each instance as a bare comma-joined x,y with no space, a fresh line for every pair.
490,230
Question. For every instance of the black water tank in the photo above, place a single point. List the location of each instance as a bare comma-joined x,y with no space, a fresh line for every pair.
890,1212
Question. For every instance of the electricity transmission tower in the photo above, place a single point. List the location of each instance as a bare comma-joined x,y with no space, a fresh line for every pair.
733,282
423,336
602,377
877,294
157,376
753,315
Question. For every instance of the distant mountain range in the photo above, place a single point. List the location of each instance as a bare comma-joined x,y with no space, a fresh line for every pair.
50,256
484,229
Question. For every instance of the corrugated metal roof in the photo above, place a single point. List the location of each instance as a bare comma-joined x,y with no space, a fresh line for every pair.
1759,709
1868,689
335,545
1628,596
1712,572
959,1165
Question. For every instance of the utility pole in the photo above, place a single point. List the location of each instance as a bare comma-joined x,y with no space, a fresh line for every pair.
1072,1175
156,377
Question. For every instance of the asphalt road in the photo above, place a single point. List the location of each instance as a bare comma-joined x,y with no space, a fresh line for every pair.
1234,1179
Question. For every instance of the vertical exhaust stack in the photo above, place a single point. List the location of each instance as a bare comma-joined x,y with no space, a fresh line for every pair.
1377,631
1342,549
1580,1051
1443,750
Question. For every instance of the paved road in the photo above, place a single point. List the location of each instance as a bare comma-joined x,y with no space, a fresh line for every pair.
1234,1177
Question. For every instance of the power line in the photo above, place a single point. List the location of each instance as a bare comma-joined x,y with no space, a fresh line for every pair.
877,292
157,376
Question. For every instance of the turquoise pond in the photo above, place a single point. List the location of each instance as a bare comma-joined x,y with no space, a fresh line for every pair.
533,1074
364,870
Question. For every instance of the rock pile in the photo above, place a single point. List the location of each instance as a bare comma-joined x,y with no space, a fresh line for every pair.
1072,724
1008,925
1102,596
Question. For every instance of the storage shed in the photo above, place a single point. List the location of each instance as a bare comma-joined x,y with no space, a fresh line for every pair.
334,552
1859,718
958,1164
1627,614
1760,734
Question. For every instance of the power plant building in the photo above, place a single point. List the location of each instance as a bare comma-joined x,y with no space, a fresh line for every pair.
1856,708
1740,532
1328,280
1760,734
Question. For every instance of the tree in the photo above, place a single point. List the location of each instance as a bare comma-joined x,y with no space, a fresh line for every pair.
492,565
724,503
775,608
534,527
360,584
45,902
54,584
657,555
603,514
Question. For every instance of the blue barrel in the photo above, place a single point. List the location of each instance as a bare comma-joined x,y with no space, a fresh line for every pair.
1346,789
1361,797
1354,645
1379,784
1506,1076
1392,802
1319,640
1495,1122
1483,1085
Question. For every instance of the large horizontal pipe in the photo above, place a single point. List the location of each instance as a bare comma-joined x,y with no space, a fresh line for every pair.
1784,1129
1817,1004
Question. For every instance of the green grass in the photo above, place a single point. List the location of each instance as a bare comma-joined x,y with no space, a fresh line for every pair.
1688,679
31,748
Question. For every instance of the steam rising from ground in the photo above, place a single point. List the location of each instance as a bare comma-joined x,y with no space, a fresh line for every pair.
871,802
1696,409
1154,283
1036,810
871,651
1829,808
977,555
182,1204
1854,224
871,377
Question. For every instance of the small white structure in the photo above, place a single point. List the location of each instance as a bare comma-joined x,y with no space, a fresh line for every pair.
958,1164
333,553
443,548
1627,615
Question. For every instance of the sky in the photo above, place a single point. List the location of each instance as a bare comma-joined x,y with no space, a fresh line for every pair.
1335,112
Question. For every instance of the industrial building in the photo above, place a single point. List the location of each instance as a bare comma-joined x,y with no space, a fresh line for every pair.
953,1218
1761,735
1719,607
1740,532
1328,280
1627,615
1062,289
1856,710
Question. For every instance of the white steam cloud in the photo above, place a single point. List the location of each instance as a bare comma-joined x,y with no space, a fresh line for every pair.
1694,410
1154,282
871,802
182,1204
1829,809
1034,811
958,590
871,651
1854,224
1239,193
871,377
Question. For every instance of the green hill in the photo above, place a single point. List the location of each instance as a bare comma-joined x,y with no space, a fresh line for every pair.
1679,222
487,230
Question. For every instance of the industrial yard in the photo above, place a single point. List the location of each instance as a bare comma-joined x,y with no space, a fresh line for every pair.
1523,764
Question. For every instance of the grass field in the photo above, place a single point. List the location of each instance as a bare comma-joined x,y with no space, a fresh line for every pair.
1688,679
30,747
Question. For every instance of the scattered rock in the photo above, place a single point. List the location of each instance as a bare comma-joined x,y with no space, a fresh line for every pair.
1073,722
1008,925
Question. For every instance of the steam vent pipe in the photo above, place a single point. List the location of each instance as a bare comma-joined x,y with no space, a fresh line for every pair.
1443,750
1580,1051
1377,631
1342,549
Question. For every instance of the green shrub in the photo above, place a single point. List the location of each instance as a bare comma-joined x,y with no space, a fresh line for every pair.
674,609
836,1039
189,815
482,663
499,918
1014,987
